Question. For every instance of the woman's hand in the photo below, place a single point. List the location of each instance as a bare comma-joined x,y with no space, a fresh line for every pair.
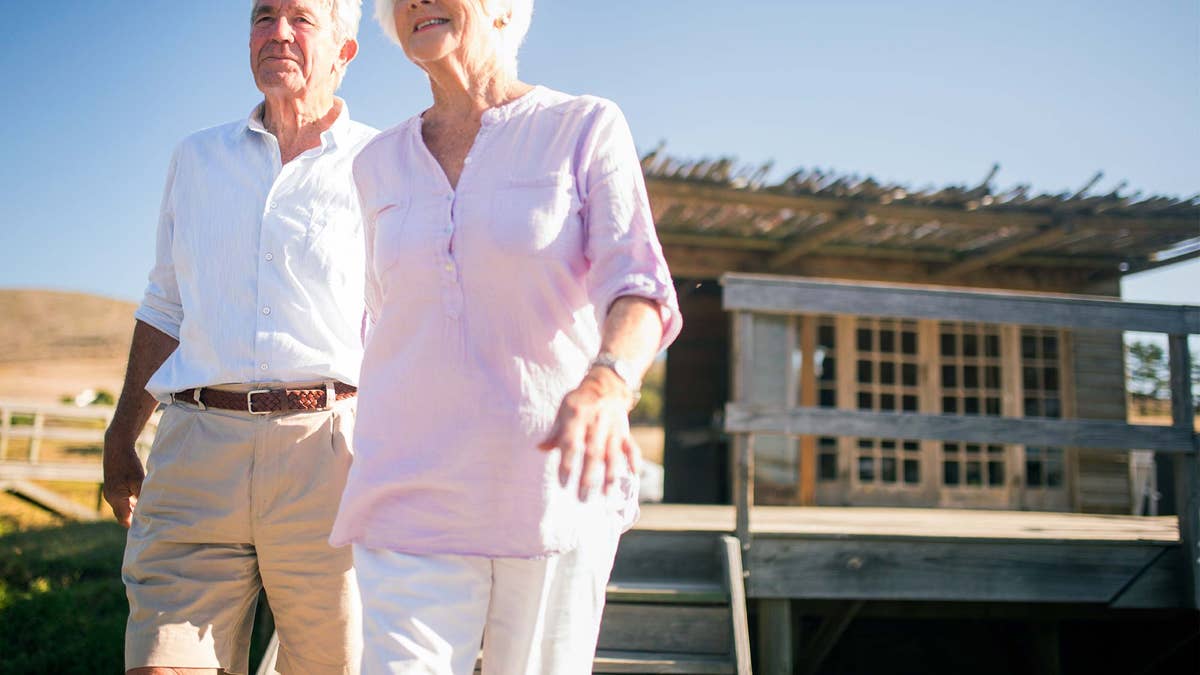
592,427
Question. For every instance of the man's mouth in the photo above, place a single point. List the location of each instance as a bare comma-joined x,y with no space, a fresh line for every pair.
428,23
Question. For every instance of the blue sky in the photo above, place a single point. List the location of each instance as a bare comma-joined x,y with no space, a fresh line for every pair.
927,92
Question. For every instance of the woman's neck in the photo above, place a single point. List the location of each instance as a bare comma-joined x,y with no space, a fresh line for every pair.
460,92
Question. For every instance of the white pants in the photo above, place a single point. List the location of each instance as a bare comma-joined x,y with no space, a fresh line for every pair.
426,614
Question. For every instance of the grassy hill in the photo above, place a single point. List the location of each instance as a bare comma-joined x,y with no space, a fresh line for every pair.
54,343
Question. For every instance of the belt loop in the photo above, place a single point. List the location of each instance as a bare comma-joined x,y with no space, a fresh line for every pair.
196,397
330,395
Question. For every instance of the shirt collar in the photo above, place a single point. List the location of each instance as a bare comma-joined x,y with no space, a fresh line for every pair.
336,133
508,110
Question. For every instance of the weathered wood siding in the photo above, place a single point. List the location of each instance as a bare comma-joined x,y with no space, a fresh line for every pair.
1103,478
696,455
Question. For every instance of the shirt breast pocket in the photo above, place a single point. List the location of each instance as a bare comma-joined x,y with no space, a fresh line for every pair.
394,236
334,243
536,215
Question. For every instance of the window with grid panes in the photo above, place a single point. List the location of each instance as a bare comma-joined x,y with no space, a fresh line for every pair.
970,384
1041,377
886,380
826,368
972,465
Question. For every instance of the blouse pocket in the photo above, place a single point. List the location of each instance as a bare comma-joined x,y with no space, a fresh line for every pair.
392,234
533,215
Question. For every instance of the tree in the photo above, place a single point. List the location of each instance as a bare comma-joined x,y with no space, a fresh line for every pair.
1147,371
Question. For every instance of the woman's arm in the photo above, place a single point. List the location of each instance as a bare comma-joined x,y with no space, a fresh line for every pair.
592,425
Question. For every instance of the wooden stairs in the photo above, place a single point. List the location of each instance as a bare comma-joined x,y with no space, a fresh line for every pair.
676,604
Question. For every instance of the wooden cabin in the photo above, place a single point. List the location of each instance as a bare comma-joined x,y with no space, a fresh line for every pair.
714,220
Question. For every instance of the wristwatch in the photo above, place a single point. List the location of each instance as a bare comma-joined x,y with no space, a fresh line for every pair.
624,370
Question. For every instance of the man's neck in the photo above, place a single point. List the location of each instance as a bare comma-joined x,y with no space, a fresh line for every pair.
297,124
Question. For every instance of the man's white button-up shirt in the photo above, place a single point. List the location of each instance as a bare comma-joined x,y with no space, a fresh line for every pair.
259,265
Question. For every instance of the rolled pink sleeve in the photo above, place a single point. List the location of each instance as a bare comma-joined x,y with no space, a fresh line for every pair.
623,250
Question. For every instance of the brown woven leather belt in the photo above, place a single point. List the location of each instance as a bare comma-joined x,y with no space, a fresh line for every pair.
264,401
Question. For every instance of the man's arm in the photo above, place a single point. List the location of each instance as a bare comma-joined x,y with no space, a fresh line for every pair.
123,471
592,425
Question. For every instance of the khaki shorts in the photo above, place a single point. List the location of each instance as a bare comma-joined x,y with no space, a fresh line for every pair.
232,503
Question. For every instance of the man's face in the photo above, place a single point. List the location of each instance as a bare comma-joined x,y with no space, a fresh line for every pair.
294,48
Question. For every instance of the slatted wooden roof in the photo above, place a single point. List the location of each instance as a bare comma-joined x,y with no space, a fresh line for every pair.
713,204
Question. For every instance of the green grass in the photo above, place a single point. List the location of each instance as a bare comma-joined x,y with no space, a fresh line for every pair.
62,604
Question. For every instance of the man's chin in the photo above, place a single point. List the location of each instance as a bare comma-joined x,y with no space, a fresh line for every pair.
279,86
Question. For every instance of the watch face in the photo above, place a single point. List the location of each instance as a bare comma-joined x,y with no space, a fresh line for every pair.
622,368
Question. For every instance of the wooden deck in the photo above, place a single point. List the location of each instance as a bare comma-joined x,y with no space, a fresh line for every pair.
938,524
944,555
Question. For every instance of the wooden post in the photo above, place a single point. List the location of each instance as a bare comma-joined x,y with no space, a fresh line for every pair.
35,441
5,426
808,397
775,636
743,444
1187,466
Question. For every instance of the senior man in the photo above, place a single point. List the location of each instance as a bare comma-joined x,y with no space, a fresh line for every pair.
249,333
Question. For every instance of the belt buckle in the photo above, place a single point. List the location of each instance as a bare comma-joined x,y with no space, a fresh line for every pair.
250,401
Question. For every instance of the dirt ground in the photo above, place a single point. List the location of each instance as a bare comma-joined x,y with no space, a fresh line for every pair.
45,382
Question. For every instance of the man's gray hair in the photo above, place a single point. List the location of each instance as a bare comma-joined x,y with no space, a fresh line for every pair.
511,36
346,16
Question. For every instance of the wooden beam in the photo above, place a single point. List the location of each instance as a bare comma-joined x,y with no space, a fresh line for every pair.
808,398
809,242
669,236
743,444
1041,239
50,500
66,471
775,649
799,295
831,630
697,194
1187,466
881,568
743,418
730,552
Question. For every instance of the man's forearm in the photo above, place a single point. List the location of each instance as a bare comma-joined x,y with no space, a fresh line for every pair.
150,347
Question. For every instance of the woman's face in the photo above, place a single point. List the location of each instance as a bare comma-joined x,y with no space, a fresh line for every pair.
431,30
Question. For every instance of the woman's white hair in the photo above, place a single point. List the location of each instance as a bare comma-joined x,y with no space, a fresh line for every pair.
511,36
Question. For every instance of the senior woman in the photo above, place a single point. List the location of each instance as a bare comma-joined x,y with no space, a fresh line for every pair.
516,293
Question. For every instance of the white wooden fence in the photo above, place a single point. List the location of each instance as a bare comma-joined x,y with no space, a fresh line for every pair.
32,443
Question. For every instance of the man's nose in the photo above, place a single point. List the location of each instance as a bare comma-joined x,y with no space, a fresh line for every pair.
283,31
417,3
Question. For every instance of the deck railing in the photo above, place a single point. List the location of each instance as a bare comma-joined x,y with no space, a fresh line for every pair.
750,295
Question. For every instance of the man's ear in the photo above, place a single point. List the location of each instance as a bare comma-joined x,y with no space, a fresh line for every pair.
348,52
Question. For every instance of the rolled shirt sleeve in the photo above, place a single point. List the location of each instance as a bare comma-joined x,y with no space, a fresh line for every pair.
623,250
161,306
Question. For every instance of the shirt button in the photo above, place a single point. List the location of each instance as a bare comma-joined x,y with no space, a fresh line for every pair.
274,205
266,311
449,198
262,366
269,257
467,160
449,268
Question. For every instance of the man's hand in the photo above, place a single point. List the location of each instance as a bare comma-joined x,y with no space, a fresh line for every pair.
592,427
123,475
123,472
